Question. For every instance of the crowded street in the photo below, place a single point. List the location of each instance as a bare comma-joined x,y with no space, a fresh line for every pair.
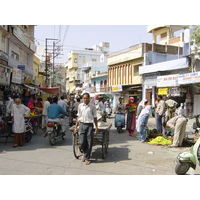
126,156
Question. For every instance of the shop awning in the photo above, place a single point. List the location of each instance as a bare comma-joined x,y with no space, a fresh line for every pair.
50,90
164,66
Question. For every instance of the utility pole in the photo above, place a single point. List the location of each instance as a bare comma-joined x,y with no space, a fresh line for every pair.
47,61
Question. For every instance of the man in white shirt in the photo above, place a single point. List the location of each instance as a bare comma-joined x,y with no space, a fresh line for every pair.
86,118
44,112
102,107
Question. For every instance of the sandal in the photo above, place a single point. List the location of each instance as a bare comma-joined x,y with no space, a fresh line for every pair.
83,159
87,162
15,145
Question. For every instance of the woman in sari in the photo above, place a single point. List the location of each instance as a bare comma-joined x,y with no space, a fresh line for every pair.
141,125
131,108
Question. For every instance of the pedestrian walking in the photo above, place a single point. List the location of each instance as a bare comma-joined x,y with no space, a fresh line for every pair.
131,116
141,124
87,117
18,112
177,123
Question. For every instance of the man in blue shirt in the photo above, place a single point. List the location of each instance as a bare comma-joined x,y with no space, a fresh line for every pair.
54,112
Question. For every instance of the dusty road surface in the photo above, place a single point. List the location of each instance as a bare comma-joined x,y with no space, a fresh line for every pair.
126,156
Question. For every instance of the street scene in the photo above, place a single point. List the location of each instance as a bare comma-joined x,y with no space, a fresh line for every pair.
68,108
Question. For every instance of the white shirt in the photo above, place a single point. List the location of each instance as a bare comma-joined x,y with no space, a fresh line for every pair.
102,106
86,113
62,104
46,105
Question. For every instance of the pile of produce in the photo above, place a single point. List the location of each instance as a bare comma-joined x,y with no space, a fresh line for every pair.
31,114
160,140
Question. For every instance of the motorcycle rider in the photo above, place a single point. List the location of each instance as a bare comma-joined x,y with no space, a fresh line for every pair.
120,105
54,112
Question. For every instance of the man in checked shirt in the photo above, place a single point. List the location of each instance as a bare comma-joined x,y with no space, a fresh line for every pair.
86,119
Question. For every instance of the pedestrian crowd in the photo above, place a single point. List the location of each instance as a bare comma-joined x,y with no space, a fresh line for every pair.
86,112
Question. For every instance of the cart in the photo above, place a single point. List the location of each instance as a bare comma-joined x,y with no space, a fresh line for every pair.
102,138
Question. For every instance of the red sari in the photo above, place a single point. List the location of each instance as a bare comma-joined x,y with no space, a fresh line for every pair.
131,117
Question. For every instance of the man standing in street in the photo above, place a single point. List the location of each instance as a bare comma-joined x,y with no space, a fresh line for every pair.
44,113
86,118
62,103
160,108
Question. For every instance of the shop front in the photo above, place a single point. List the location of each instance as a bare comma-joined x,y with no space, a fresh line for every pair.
180,90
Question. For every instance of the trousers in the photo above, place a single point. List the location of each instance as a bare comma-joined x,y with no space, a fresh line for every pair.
179,131
86,138
60,121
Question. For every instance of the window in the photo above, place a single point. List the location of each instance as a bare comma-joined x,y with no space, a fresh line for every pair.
101,84
14,55
3,38
94,83
94,60
75,60
105,83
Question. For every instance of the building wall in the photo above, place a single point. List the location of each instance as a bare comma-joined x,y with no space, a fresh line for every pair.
125,73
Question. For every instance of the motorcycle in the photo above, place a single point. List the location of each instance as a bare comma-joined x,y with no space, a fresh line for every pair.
54,131
6,130
119,120
189,159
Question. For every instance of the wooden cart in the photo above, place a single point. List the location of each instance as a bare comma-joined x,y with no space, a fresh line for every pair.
102,138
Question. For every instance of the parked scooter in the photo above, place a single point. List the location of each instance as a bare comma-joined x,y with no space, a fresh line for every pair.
54,131
188,159
119,120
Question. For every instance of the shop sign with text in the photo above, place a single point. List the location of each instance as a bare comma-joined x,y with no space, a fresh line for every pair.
167,81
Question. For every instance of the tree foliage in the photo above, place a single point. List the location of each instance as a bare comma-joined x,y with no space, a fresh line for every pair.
195,37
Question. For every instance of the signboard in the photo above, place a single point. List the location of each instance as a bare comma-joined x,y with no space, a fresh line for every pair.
167,81
17,76
162,91
189,78
22,67
150,80
117,88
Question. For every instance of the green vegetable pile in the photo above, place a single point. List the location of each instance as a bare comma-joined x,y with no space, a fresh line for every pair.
160,140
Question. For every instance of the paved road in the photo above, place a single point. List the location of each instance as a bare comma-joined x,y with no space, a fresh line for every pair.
126,156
